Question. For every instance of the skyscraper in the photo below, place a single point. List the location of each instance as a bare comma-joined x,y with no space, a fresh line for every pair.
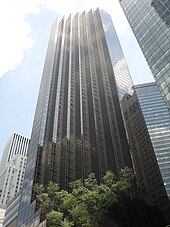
150,22
149,179
157,119
78,126
12,167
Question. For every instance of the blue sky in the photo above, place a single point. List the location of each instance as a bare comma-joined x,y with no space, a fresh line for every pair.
23,43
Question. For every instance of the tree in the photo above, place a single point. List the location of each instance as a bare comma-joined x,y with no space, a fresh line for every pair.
88,204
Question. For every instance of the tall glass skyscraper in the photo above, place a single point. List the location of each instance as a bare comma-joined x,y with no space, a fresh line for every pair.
78,126
157,119
150,22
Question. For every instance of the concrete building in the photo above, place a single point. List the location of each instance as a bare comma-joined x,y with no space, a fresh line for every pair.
2,214
12,167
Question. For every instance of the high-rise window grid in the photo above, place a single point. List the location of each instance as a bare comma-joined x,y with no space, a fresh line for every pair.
13,167
157,119
150,22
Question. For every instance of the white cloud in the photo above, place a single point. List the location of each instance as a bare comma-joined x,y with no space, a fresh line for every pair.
15,32
15,35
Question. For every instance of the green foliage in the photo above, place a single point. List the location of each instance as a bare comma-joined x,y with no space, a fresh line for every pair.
38,189
55,218
88,204
90,183
52,188
109,179
127,174
128,182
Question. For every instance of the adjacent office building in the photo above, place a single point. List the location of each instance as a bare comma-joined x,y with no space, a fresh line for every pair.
12,167
150,22
78,126
11,213
157,119
149,179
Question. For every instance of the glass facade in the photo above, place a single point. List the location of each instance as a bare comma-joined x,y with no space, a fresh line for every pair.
150,22
157,119
78,126
121,72
148,175
12,211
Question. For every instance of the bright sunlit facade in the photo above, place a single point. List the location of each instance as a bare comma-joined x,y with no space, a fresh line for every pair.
150,22
12,167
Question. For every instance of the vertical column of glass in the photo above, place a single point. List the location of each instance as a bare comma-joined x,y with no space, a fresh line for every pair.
107,97
85,95
58,101
69,82
99,95
80,72
27,210
123,78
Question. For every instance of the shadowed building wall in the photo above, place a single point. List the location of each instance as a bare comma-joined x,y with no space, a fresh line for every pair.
157,119
149,179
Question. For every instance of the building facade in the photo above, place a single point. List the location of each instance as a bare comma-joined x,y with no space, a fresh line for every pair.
149,179
11,213
157,119
12,167
78,126
2,214
150,22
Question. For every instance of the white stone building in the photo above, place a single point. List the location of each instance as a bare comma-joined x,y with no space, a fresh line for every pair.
12,167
